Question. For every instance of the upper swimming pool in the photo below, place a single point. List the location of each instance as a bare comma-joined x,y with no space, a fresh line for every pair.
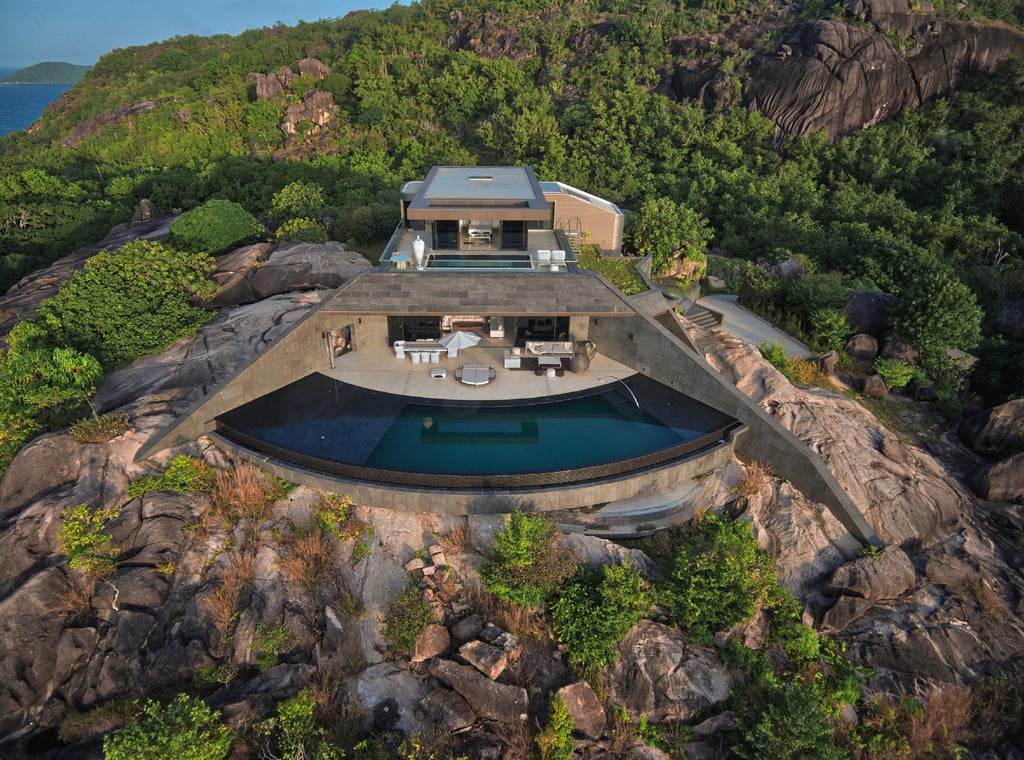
479,261
331,426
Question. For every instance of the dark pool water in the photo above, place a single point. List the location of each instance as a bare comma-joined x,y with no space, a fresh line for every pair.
330,420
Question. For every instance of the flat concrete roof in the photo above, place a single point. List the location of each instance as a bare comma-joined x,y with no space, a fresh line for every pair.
479,192
449,183
494,294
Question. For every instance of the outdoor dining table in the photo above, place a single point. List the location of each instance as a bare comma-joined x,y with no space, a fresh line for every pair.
476,374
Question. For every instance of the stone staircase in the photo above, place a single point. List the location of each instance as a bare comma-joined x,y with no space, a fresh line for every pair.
702,317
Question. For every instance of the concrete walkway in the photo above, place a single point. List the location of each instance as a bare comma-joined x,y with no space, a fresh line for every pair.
747,326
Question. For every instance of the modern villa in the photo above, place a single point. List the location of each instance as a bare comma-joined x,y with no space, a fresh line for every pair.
479,368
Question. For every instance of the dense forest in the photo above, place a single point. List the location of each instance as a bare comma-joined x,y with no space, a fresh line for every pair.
926,207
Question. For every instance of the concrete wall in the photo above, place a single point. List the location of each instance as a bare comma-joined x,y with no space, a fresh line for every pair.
492,501
368,330
649,348
291,357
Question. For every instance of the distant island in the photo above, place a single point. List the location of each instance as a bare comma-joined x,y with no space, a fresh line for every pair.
50,72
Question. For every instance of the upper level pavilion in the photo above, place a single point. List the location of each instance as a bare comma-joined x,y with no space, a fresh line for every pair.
497,218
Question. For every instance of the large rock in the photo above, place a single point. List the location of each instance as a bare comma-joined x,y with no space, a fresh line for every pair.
874,387
317,108
306,266
1002,481
996,432
30,631
845,611
44,465
234,272
664,676
494,701
787,269
313,67
869,311
220,348
448,710
588,716
896,347
488,659
433,641
862,347
884,577
838,77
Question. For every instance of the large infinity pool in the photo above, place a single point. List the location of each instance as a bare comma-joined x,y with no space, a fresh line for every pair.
329,425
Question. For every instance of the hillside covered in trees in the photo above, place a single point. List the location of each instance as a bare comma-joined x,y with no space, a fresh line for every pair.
924,206
48,72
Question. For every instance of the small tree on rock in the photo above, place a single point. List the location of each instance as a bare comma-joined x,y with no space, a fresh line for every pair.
668,231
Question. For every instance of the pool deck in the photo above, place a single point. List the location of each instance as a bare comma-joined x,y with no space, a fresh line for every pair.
379,369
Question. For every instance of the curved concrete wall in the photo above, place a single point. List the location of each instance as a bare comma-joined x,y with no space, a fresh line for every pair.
645,345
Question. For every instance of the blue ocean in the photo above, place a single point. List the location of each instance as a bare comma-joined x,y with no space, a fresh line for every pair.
22,104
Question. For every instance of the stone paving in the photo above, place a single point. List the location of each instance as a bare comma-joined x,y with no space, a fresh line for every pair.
378,368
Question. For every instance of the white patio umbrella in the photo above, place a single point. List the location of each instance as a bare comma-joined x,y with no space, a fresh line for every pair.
459,340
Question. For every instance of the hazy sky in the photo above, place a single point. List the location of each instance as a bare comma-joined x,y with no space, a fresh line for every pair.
80,31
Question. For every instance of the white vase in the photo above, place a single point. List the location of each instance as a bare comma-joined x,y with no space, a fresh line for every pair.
418,247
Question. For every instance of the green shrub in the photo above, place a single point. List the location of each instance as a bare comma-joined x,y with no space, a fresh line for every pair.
555,741
129,303
82,537
526,565
829,329
298,199
100,428
294,733
268,643
184,474
215,227
620,272
595,610
719,577
775,355
408,615
185,729
786,724
304,229
895,373
40,387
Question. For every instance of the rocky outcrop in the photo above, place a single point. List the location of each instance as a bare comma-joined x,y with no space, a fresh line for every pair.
259,271
874,387
995,432
884,577
314,67
960,619
1001,481
862,347
869,311
190,366
306,266
95,124
837,77
270,86
494,701
588,716
315,114
662,675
